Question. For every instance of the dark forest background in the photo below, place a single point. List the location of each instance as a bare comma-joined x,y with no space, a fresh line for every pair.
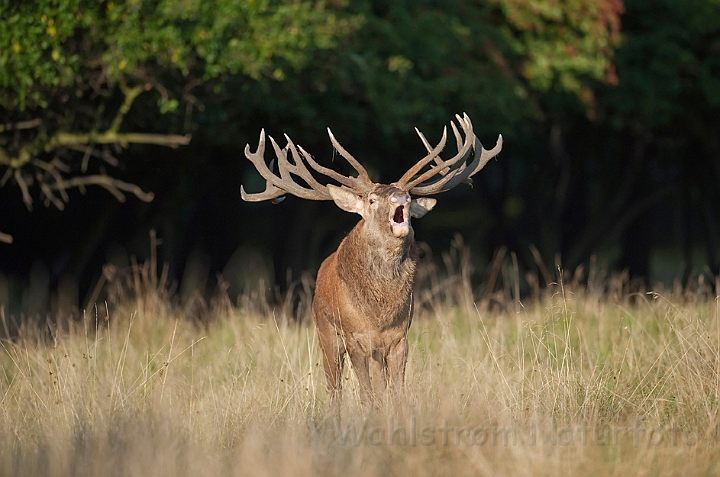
119,118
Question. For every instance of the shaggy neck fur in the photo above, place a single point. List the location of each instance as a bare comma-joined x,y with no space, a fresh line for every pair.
388,263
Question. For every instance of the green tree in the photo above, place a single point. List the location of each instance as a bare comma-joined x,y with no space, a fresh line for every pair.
71,71
565,43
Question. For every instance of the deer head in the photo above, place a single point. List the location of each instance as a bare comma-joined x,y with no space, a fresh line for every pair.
386,209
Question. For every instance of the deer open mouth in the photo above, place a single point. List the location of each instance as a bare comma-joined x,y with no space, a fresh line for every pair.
399,222
399,217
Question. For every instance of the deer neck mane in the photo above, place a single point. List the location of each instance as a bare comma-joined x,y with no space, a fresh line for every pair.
382,249
382,271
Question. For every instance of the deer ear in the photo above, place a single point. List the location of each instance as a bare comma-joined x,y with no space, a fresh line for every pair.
346,199
420,207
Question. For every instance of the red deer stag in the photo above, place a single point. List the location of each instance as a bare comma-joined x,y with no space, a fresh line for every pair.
363,297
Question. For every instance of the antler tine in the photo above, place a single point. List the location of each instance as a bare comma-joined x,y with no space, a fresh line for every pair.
277,186
482,156
426,143
299,169
457,163
458,139
351,182
362,173
272,191
433,154
286,181
459,175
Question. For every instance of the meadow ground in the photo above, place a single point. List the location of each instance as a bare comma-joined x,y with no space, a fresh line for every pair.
576,383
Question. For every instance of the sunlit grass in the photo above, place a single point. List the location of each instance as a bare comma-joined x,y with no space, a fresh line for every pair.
571,384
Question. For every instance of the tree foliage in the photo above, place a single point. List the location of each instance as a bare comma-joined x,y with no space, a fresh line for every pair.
564,41
70,72
51,47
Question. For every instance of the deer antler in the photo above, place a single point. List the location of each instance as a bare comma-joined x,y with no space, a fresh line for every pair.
453,171
277,186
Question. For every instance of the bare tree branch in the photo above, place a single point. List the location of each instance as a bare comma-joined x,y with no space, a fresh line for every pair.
50,176
21,182
32,123
61,139
114,186
50,196
6,176
53,171
42,143
130,95
89,151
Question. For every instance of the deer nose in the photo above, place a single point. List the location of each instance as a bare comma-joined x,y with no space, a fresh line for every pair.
400,199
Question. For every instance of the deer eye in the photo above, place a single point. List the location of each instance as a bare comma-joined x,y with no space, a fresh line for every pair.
372,201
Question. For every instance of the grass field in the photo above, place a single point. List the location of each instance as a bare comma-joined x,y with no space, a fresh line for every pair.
576,383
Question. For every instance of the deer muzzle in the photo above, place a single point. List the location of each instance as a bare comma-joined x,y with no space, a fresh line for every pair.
400,215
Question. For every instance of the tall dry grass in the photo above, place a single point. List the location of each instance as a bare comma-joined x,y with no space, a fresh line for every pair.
578,381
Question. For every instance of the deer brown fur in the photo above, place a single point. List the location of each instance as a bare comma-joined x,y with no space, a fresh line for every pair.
363,297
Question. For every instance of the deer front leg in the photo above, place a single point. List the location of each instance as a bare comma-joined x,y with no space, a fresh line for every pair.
396,361
360,364
333,353
333,362
379,375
